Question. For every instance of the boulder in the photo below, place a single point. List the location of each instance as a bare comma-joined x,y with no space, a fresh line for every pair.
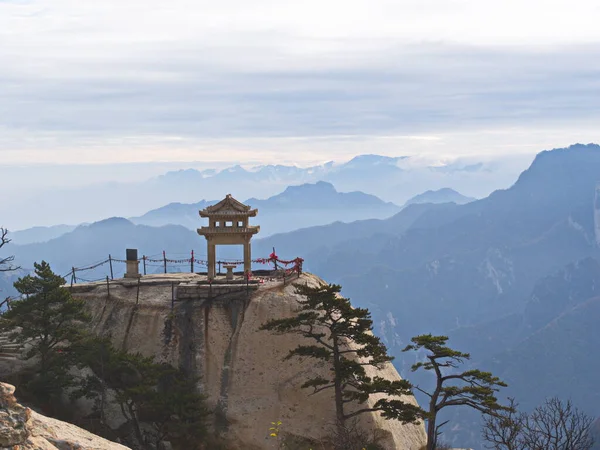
24,429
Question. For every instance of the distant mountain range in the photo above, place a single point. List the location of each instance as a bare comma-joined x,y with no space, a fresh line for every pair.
306,205
40,234
512,278
393,179
296,207
163,228
88,244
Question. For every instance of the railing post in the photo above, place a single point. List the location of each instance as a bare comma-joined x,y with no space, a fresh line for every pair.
111,268
144,259
165,260
192,262
107,287
73,280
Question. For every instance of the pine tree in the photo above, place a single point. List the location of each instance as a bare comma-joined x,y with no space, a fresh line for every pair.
177,410
47,320
131,377
145,391
472,388
343,339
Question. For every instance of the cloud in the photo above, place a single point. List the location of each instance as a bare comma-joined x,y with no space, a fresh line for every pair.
149,81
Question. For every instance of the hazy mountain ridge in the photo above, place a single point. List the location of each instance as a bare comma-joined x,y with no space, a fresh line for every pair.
391,179
506,241
564,351
552,298
475,266
444,195
358,170
319,195
469,270
40,234
88,244
321,241
296,207
184,214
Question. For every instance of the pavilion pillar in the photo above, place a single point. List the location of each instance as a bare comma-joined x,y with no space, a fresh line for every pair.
212,259
247,257
228,225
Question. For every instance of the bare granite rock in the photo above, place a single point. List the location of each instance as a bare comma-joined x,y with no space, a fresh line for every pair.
242,371
24,429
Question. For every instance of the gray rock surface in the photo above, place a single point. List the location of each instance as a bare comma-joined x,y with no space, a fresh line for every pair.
24,429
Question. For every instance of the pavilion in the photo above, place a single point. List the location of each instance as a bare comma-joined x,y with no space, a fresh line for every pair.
228,224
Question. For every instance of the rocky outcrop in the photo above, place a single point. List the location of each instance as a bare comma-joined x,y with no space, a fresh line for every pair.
242,371
24,429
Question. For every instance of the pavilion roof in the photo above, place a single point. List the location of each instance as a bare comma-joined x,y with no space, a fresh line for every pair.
229,206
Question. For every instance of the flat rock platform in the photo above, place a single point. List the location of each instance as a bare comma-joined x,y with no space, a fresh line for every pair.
174,287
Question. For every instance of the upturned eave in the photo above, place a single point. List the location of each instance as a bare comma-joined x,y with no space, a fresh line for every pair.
215,231
205,213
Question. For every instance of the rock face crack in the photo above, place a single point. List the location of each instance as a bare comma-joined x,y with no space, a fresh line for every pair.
187,338
237,309
168,330
103,309
128,329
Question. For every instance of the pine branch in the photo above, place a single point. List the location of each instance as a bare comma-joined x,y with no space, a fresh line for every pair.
422,391
342,337
6,262
360,411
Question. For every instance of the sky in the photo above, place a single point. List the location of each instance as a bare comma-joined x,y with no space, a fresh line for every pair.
147,82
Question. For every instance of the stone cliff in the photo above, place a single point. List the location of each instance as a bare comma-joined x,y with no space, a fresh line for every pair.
24,429
212,331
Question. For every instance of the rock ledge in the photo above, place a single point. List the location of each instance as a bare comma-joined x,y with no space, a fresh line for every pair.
24,429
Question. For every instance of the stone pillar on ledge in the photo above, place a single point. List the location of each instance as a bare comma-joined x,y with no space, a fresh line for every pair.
133,265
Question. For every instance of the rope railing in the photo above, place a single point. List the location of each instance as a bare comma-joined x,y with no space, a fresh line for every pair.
288,267
94,265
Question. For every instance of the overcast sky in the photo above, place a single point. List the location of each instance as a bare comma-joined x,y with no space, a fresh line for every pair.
117,81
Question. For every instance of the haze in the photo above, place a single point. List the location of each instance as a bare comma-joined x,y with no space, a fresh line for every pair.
105,91
437,159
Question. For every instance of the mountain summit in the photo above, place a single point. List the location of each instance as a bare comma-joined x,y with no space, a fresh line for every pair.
320,195
444,195
373,160
296,207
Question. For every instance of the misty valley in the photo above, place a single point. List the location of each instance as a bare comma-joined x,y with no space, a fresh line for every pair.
510,279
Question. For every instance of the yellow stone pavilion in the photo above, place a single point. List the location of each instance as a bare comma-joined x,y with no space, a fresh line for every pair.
228,224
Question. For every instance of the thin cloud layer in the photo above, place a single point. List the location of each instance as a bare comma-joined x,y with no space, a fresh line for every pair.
151,81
